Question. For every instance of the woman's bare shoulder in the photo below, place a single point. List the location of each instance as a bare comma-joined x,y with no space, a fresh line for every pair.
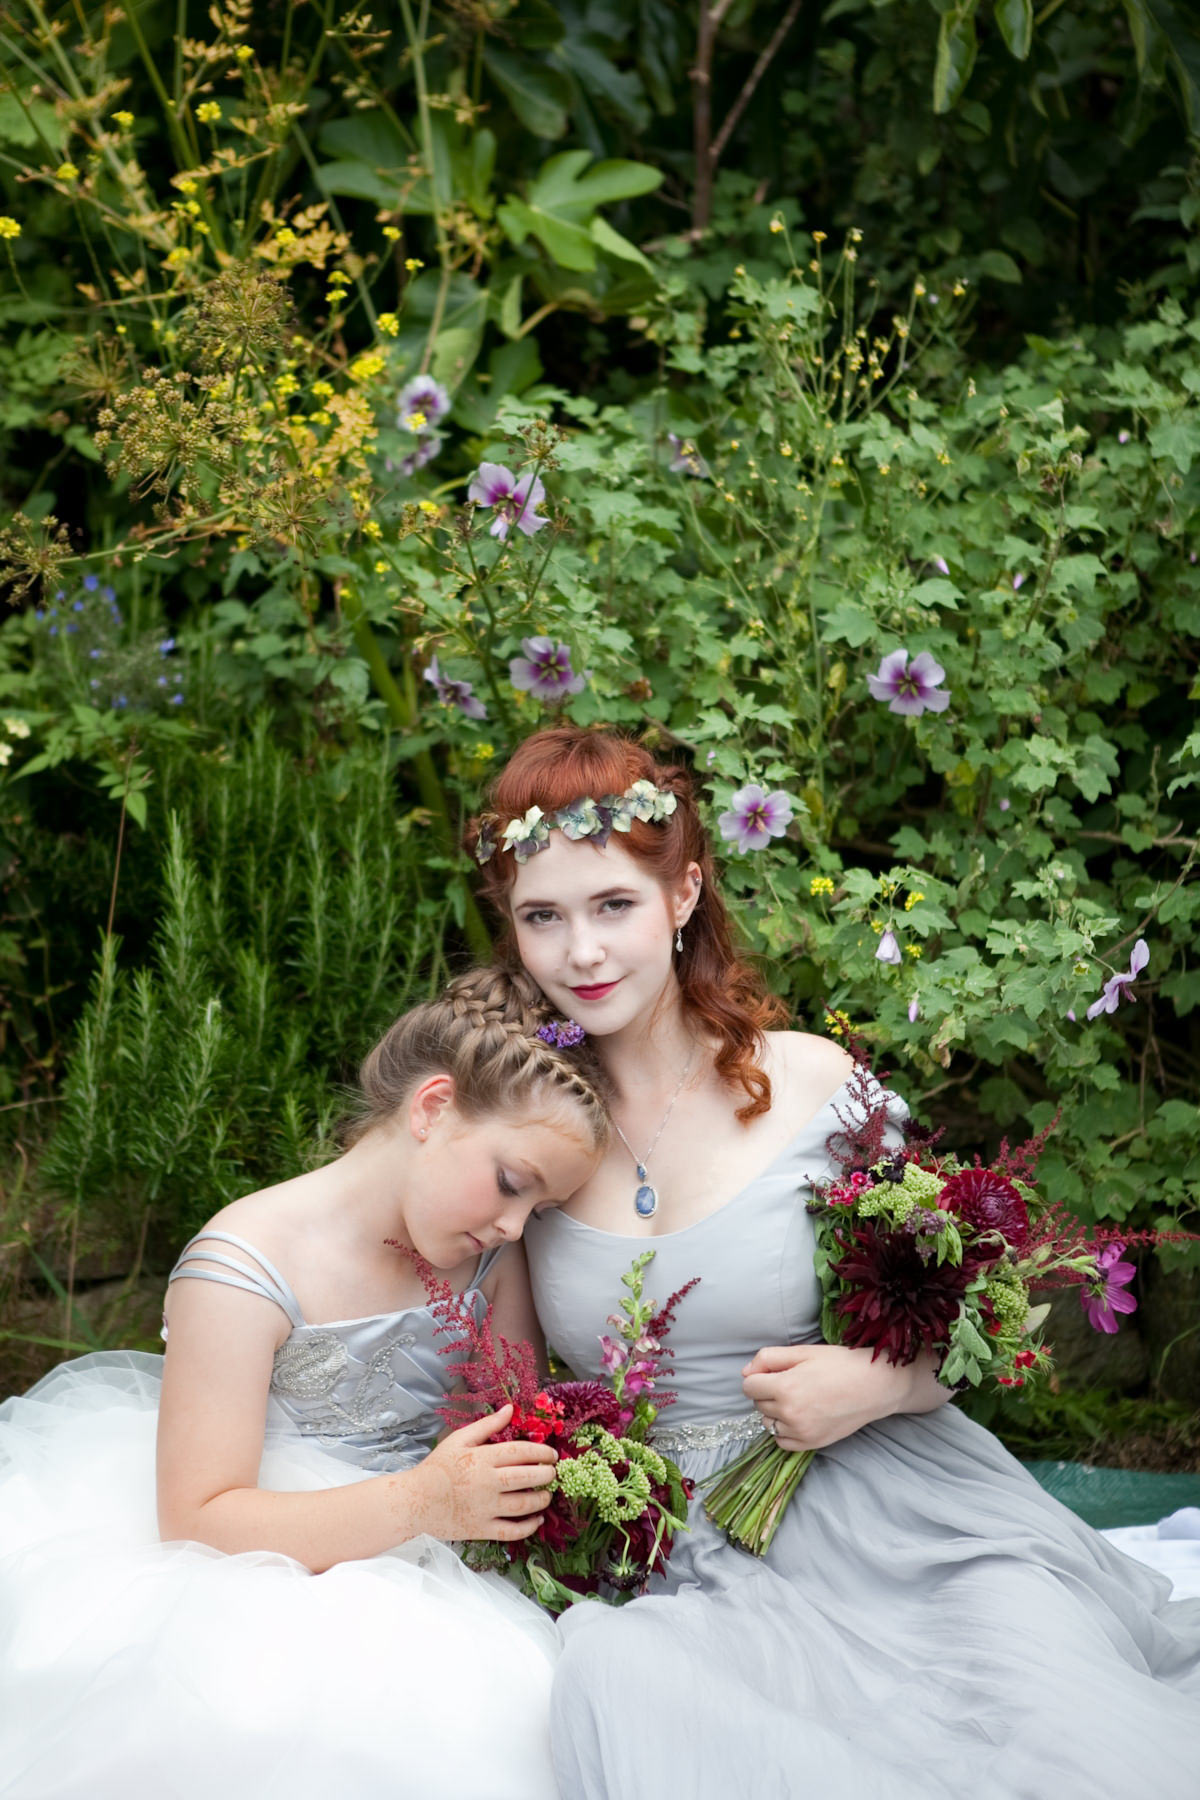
809,1060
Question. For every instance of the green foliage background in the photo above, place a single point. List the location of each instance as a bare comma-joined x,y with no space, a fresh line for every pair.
828,332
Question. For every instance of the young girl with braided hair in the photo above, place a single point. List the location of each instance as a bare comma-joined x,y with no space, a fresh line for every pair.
298,1625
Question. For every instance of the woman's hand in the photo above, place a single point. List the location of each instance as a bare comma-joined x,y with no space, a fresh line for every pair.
468,1488
818,1393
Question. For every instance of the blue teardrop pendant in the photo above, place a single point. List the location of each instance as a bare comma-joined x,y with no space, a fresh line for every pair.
645,1201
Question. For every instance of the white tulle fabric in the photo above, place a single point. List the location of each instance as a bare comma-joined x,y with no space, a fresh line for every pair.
131,1669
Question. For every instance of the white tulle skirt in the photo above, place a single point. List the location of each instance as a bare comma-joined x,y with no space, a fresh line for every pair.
131,1669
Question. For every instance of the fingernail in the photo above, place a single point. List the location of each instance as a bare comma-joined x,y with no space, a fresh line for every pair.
746,1369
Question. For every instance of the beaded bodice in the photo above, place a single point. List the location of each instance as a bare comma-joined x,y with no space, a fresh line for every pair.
366,1390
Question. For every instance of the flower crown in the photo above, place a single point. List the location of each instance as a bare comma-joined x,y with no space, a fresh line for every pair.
582,819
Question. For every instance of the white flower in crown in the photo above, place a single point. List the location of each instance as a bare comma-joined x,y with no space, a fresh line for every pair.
643,798
664,805
525,837
622,809
579,820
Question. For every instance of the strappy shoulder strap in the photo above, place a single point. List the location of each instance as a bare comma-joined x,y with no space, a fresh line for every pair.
267,1284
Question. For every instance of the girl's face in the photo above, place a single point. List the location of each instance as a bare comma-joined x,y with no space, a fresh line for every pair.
472,1183
595,930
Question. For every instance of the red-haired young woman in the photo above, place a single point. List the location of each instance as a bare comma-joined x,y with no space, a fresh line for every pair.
927,1621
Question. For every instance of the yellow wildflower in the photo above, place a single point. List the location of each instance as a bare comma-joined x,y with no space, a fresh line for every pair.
285,385
186,187
365,368
9,228
389,323
820,884
124,120
855,235
912,901
373,529
177,257
429,507
913,950
815,266
730,497
208,112
818,237
66,172
339,277
1081,968
381,567
735,443
285,237
885,468
959,289
321,390
786,450
201,227
943,458
243,53
415,421
877,926
392,233
18,728
740,270
919,290
321,418
484,752
413,263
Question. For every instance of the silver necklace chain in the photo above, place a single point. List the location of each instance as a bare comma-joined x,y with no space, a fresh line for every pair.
645,1200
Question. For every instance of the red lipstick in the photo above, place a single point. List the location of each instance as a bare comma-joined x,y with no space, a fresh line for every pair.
595,993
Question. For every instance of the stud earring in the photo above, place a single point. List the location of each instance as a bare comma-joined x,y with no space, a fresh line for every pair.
679,939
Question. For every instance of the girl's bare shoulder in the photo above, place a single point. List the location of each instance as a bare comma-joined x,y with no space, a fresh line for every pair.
808,1066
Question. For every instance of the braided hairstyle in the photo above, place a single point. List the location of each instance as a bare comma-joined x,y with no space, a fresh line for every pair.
482,1032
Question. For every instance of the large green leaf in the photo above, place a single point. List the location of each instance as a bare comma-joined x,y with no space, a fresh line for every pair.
371,163
955,55
537,95
561,185
560,208
1015,19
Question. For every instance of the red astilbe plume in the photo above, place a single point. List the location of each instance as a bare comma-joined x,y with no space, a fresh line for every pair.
491,1370
859,1141
990,1203
1023,1161
901,1303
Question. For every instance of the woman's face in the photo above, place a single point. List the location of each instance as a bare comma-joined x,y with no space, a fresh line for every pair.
595,930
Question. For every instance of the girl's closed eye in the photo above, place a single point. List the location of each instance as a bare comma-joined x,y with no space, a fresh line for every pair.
505,1185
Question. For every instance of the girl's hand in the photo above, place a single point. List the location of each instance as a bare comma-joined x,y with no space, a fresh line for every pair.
819,1393
468,1488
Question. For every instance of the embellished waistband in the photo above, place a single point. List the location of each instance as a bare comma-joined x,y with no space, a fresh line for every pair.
713,1434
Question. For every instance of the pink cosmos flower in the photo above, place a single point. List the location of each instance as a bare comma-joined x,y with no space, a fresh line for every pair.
911,687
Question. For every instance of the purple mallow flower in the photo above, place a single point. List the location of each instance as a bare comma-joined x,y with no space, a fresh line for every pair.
545,669
1104,1295
685,458
516,502
422,395
914,1010
911,687
454,693
939,562
755,817
424,450
1115,987
889,949
1018,582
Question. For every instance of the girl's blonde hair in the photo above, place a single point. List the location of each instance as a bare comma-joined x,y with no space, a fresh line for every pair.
483,1032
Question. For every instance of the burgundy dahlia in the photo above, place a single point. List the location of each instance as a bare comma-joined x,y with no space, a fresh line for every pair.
586,1403
988,1202
899,1303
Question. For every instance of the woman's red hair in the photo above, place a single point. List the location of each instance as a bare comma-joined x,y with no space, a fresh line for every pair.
721,991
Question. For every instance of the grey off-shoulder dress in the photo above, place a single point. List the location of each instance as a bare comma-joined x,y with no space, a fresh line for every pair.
927,1623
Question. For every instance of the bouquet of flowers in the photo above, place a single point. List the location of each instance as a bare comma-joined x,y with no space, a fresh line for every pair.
919,1253
615,1503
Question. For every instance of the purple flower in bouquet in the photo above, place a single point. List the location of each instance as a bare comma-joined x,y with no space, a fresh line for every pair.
425,396
545,669
755,817
516,501
1104,1295
989,1202
1115,989
910,687
454,693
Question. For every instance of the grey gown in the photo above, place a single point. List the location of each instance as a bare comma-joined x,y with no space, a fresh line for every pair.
928,1622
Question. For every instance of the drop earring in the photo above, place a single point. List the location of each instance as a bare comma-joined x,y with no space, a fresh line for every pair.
679,940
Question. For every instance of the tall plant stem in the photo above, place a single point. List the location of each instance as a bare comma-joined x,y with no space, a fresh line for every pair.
112,898
416,35
403,714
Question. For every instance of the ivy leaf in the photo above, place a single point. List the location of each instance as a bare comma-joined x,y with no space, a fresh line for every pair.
956,50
